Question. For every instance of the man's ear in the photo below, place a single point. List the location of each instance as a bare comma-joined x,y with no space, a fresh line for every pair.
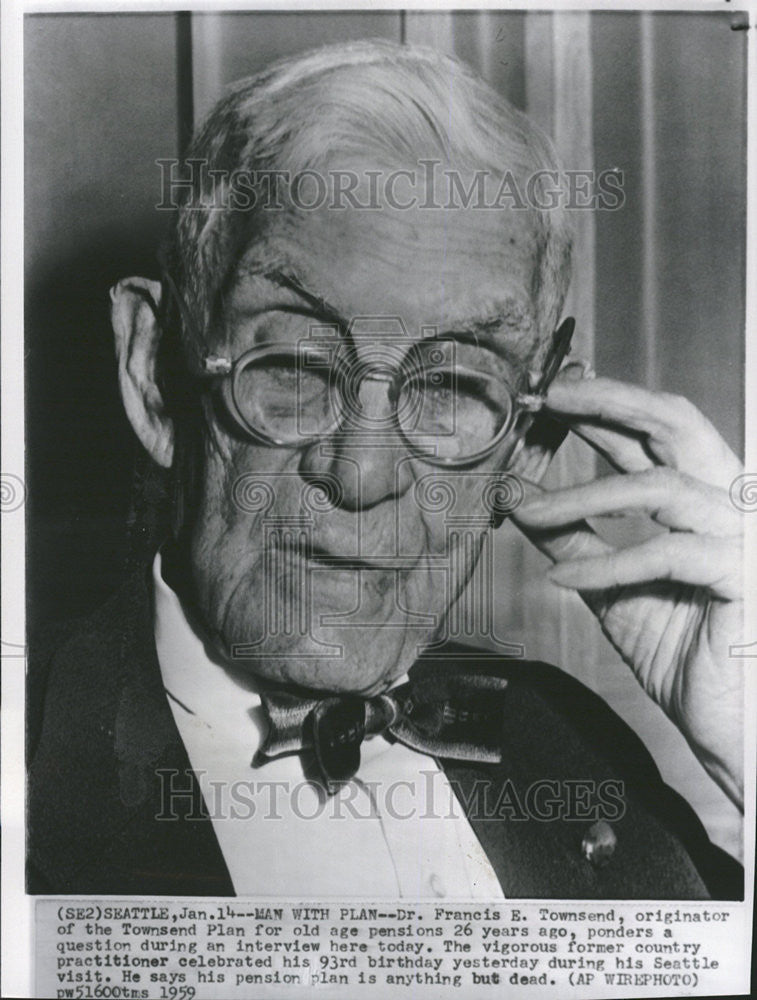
134,315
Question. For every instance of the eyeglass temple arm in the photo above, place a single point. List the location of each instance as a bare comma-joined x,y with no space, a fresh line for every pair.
214,365
561,338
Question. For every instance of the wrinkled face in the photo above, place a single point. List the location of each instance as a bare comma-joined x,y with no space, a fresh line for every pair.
338,588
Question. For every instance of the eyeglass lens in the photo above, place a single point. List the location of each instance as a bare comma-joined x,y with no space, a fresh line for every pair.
441,403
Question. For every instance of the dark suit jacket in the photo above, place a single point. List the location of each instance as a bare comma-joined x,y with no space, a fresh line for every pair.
100,729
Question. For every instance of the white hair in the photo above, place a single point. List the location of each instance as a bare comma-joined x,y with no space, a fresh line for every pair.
385,103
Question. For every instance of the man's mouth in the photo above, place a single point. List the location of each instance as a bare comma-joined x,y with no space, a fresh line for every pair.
299,545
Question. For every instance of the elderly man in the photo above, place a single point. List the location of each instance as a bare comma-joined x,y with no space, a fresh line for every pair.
273,712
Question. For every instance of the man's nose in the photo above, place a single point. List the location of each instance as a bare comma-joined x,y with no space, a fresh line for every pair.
366,453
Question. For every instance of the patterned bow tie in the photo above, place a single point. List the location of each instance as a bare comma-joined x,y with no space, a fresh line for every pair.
437,712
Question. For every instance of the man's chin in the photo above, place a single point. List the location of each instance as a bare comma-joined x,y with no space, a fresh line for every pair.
336,674
346,640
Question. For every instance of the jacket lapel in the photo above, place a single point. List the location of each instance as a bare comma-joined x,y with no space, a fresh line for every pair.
561,745
113,803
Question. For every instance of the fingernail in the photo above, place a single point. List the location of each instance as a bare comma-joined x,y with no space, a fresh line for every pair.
574,371
578,370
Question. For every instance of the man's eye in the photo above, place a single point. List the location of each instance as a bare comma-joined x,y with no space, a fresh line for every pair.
275,376
264,386
443,385
284,376
286,384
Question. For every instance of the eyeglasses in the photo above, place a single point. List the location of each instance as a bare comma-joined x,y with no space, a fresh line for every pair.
446,410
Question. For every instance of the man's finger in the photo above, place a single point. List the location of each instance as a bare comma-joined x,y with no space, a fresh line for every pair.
677,433
671,498
572,541
624,450
714,563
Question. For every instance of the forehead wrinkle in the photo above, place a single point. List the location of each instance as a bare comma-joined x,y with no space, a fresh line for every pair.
489,317
505,324
389,239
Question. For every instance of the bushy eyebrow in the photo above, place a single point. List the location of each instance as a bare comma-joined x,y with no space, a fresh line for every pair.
317,304
486,333
321,308
479,331
480,325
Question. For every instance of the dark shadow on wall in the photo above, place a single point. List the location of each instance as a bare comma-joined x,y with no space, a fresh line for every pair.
80,448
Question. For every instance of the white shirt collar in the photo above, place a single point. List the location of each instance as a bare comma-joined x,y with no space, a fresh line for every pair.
219,716
203,683
195,674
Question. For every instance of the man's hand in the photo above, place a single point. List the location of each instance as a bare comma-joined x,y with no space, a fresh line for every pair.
672,606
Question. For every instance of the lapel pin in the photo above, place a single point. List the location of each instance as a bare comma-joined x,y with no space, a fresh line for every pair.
599,842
